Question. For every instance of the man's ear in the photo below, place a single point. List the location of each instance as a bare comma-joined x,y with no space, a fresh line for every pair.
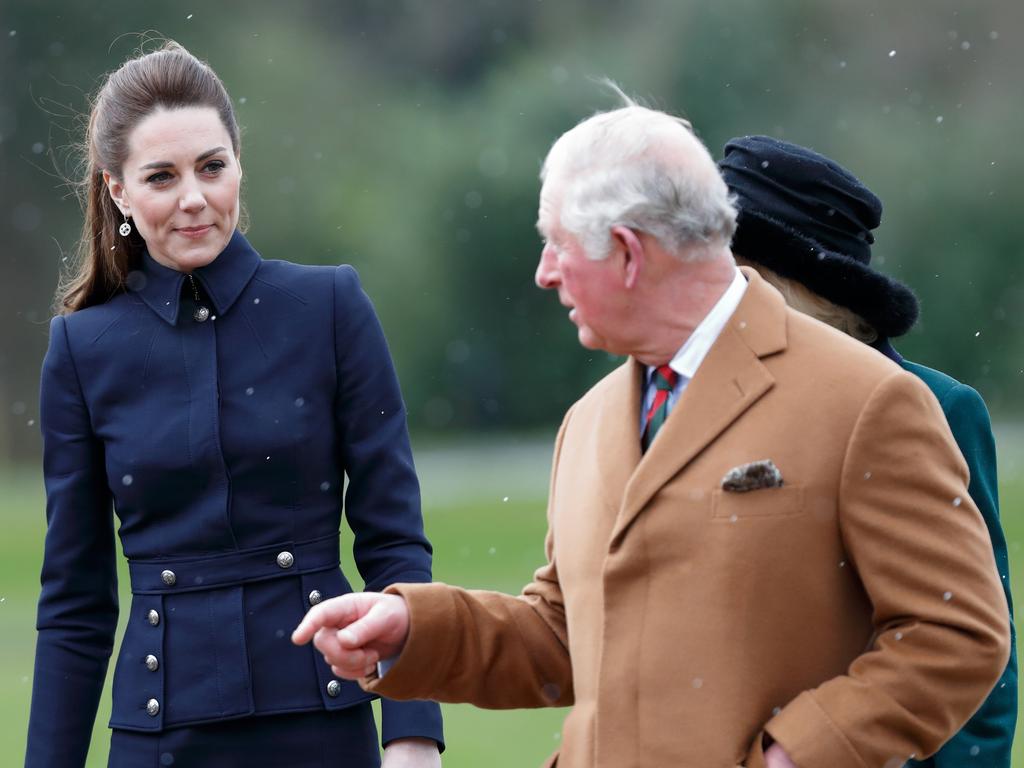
116,189
631,250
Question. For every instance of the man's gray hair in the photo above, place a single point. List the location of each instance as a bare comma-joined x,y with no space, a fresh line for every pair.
639,168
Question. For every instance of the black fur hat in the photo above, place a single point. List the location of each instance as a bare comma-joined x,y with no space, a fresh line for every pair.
809,219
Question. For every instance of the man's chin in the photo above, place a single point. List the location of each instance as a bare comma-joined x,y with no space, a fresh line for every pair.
589,340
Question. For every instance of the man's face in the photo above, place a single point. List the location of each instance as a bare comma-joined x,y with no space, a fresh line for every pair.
592,289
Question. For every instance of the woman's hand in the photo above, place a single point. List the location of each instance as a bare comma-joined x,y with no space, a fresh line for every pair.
411,753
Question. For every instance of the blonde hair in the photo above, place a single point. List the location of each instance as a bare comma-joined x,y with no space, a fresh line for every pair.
803,299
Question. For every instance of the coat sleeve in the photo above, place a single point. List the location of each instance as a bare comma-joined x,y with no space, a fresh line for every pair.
485,648
382,500
987,737
77,614
925,561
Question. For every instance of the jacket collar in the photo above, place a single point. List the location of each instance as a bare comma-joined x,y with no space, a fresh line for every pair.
223,279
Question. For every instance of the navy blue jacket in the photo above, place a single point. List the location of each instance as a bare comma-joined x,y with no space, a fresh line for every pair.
222,447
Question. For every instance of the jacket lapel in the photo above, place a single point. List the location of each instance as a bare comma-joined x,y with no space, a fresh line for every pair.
618,429
729,381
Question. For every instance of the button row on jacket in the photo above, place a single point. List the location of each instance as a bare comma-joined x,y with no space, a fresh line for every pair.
152,663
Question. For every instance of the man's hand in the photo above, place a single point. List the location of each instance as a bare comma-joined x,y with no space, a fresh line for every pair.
354,632
776,757
411,753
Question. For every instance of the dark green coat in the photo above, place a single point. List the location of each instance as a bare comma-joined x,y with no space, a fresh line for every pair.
987,737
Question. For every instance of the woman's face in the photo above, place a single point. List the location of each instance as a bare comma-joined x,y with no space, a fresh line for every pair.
180,186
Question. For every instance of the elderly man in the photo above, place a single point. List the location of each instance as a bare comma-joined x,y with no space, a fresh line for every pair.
750,559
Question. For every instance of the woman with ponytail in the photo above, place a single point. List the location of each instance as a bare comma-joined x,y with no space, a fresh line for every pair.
215,402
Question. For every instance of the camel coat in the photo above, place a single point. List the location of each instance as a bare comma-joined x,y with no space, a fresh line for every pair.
854,615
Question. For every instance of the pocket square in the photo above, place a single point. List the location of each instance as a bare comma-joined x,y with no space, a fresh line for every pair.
752,477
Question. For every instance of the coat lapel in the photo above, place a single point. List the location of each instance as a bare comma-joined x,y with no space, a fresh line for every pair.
729,381
619,426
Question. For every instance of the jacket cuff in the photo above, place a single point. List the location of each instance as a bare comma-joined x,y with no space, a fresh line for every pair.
411,719
426,656
810,738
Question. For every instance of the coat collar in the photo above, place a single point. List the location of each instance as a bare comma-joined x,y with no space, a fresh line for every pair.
223,279
729,381
883,345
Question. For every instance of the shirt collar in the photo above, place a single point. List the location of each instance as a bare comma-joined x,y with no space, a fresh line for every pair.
689,357
223,279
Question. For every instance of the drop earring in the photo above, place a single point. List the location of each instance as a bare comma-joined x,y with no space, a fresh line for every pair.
125,229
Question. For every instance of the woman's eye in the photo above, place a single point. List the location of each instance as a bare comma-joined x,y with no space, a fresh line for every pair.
214,166
157,178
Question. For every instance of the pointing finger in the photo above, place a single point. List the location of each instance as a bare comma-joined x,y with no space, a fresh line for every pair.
337,612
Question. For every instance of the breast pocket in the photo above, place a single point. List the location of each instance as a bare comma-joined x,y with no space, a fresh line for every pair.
729,506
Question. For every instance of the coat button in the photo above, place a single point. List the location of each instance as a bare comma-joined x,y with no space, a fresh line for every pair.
285,559
154,617
151,663
152,707
168,578
333,689
315,597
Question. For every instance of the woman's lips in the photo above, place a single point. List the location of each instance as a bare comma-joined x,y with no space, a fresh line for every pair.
194,232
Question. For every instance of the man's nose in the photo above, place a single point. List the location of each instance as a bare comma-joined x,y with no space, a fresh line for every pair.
546,275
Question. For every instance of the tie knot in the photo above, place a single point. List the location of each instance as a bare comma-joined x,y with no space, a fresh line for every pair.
665,378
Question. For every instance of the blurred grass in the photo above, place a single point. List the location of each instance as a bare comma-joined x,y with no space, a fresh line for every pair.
485,542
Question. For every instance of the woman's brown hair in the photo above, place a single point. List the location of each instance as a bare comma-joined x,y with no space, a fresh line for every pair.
168,78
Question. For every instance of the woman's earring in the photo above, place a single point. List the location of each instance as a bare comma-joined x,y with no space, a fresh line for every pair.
125,229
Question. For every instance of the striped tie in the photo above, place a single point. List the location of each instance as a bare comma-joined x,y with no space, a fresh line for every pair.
664,381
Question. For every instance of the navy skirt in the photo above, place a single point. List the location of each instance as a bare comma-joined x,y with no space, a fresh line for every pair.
345,738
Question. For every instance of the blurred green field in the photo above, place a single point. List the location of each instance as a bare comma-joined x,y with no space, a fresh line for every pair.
480,540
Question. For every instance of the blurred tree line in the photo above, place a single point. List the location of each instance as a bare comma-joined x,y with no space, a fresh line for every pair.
405,137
